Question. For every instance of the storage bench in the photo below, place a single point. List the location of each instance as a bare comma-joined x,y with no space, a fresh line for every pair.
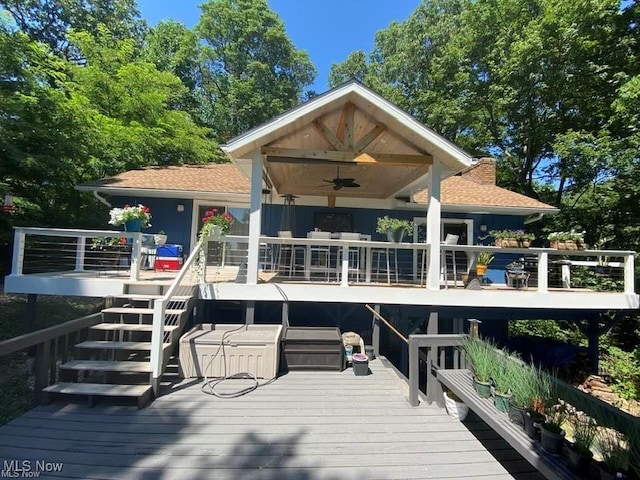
253,349
313,348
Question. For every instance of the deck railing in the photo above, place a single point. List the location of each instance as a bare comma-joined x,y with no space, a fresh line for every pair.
50,348
47,250
182,285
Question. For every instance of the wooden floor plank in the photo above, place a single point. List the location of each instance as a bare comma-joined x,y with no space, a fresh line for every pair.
305,425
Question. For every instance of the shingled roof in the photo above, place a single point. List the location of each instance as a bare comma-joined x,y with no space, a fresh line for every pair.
474,187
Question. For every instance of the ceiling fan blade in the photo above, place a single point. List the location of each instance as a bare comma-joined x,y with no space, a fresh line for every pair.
337,186
345,180
351,185
328,181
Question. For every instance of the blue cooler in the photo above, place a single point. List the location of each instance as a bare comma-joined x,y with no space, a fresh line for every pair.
174,251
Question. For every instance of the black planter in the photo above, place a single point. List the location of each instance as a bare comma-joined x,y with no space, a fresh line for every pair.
551,442
578,462
516,414
532,425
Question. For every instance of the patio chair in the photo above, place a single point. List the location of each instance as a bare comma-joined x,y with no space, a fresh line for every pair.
288,253
354,254
320,255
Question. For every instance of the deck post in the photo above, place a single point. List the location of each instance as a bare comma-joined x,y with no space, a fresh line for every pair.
285,314
543,272
249,312
432,323
136,251
433,227
17,263
157,343
80,249
413,372
255,222
629,272
375,335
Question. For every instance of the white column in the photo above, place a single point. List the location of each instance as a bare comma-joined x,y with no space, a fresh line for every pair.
433,227
136,251
255,223
18,252
629,271
80,248
543,272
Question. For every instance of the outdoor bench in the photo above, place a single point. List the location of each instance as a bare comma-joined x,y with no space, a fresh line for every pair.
459,381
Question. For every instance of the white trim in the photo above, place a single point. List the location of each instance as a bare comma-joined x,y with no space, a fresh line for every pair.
168,193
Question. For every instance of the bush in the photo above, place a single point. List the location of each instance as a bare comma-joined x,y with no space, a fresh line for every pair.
624,368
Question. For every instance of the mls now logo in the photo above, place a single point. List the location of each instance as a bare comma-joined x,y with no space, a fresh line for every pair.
28,468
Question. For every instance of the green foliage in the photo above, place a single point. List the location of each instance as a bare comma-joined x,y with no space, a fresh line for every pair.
624,368
482,355
387,224
585,277
484,258
559,330
614,448
585,430
517,234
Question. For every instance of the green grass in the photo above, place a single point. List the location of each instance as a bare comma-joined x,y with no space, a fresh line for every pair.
15,392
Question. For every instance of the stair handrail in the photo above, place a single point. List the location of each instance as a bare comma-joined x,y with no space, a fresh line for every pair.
159,310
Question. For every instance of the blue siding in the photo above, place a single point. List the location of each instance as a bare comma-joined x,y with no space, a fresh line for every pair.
165,216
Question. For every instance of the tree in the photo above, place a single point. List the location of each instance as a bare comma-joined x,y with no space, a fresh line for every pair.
47,21
252,71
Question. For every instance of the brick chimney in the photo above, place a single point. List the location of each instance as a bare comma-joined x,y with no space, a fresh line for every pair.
483,172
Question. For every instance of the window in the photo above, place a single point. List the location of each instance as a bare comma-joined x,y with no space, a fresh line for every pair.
333,222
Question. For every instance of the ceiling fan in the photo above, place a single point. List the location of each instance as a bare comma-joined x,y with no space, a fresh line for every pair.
338,182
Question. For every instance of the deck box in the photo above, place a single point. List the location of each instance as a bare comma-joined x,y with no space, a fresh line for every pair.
313,348
253,349
169,251
167,263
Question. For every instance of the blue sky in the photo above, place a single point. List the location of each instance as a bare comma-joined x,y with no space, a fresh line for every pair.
327,29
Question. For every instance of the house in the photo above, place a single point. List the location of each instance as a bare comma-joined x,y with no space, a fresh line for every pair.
336,163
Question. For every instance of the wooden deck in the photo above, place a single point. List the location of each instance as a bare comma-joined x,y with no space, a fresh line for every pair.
303,426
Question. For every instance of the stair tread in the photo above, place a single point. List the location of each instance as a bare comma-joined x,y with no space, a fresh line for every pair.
106,389
107,366
141,311
117,345
144,296
131,327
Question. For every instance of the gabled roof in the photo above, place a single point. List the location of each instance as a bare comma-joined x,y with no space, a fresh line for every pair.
354,125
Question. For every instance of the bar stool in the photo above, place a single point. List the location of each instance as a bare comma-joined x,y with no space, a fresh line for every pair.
377,253
450,239
288,249
353,254
321,254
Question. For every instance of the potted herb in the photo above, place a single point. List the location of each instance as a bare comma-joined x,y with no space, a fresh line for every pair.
160,238
584,433
614,449
455,407
571,240
394,228
512,238
482,355
541,391
502,381
482,260
551,432
523,391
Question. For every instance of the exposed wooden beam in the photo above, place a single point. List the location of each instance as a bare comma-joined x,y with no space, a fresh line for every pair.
349,121
327,134
331,201
290,155
369,137
404,181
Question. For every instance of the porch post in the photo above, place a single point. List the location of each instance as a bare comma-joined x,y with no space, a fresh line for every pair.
255,219
433,227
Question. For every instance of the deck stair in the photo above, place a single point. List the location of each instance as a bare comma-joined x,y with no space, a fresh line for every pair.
115,360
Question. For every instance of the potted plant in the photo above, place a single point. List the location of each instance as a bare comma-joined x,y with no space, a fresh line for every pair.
571,240
160,238
584,433
394,228
482,260
523,391
512,238
455,407
515,275
134,218
502,381
614,449
215,224
107,250
551,432
482,355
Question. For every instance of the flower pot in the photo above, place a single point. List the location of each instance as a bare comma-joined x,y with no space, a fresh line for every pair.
396,235
557,244
457,410
481,269
501,401
551,442
516,414
159,239
524,243
607,475
578,461
134,225
532,424
570,245
216,231
482,389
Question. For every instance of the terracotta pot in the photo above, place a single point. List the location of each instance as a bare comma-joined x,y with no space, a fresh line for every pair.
570,245
557,244
524,243
481,269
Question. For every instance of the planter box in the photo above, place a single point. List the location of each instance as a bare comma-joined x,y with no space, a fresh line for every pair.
313,348
254,349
